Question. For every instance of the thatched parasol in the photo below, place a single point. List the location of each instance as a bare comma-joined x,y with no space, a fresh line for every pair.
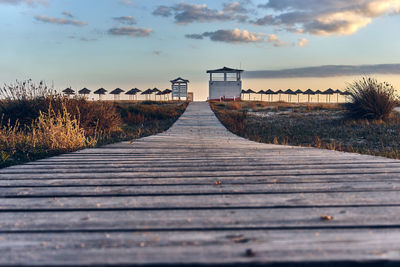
328,94
249,91
318,92
298,93
147,92
280,92
309,92
117,93
270,94
261,92
290,92
337,92
167,92
84,91
100,92
132,93
68,92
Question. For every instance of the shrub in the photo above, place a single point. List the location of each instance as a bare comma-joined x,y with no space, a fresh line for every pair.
24,100
370,99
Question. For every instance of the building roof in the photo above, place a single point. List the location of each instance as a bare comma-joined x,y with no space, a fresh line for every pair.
225,70
179,80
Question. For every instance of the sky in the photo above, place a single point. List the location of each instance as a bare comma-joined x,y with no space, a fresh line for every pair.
280,44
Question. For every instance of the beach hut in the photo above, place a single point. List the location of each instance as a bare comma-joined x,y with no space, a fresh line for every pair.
133,92
309,93
100,92
84,92
261,92
147,93
179,88
225,83
270,94
318,92
68,92
328,94
290,92
298,93
117,92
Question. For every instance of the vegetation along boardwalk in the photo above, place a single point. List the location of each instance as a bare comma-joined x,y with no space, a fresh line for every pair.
199,194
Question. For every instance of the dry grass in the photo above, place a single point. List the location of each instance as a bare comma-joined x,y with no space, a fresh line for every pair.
321,126
370,99
41,124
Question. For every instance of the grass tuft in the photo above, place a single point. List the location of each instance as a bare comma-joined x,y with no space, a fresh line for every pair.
370,99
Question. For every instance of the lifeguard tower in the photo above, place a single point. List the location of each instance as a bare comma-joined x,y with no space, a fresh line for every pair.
225,84
179,88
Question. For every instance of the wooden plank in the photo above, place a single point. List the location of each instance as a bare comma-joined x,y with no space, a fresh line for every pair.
207,189
208,247
200,220
327,199
182,181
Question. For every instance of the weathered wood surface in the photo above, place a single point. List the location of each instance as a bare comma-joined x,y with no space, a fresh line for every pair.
198,194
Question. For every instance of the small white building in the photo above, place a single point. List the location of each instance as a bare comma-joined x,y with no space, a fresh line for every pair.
225,83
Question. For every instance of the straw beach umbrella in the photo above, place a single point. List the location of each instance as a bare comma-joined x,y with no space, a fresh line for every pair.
249,91
166,92
309,92
155,91
270,94
318,92
328,94
337,92
117,93
84,92
147,93
100,92
160,94
133,92
261,92
298,93
279,93
290,92
68,92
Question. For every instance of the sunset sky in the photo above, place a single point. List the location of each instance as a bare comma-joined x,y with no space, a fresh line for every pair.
146,43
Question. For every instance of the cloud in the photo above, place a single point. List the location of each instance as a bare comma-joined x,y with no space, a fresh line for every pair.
237,36
67,14
303,42
83,39
326,71
157,52
130,31
126,20
126,2
27,2
185,13
325,17
60,21
163,11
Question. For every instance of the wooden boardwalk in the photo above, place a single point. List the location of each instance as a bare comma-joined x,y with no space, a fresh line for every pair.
199,194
